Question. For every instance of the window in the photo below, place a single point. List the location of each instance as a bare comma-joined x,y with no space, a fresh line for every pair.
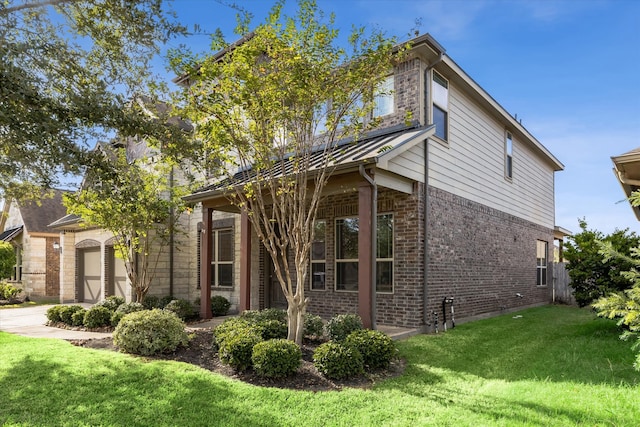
318,256
440,99
347,254
383,99
541,262
508,156
222,258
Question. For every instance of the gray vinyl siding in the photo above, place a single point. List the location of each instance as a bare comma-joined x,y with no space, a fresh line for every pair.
472,165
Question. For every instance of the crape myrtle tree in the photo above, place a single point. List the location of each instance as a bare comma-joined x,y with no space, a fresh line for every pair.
68,69
274,105
136,198
624,305
592,274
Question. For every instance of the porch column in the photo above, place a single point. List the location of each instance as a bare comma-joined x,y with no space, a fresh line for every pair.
365,251
206,244
245,262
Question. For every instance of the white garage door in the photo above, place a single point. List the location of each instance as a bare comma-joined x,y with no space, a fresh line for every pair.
90,276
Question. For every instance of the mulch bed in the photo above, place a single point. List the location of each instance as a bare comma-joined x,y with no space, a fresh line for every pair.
200,352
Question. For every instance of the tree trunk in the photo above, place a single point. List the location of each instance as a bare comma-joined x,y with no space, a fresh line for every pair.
295,319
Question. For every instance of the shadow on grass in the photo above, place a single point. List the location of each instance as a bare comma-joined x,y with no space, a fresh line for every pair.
558,344
118,392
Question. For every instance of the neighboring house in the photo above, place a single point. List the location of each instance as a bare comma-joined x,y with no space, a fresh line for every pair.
627,171
37,246
465,212
91,270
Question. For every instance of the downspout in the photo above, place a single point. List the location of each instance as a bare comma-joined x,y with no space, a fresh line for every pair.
425,289
171,233
374,242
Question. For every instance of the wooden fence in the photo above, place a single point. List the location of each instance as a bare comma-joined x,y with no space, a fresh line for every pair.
562,293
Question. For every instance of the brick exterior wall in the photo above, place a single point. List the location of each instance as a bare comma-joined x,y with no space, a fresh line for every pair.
53,267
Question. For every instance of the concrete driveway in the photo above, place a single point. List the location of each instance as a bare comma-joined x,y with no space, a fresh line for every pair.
30,322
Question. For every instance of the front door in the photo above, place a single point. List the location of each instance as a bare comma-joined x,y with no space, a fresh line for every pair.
274,290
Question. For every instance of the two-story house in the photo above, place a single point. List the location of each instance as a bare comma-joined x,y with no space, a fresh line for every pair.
463,201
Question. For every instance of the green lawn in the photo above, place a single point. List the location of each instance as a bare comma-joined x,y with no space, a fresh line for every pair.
553,366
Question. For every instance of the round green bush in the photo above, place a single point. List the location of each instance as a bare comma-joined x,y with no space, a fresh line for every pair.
150,332
77,319
237,347
339,327
97,316
337,361
219,305
276,358
228,327
377,348
151,301
124,309
181,308
266,314
67,312
272,329
313,325
111,303
53,313
165,300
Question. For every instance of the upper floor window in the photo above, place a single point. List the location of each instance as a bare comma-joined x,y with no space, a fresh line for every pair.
508,156
440,100
222,258
383,99
319,256
542,248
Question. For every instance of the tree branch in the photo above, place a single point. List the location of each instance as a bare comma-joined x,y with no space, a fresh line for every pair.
34,5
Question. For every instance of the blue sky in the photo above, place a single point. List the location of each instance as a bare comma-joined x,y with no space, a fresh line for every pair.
569,69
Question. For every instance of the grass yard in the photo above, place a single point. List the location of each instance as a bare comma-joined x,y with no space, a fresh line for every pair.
552,366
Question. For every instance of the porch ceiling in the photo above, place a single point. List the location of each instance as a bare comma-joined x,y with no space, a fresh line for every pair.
627,171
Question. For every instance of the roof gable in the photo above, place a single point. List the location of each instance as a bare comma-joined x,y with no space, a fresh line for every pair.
38,215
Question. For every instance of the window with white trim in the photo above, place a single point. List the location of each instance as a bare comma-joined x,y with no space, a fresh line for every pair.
542,249
383,101
319,256
347,254
440,100
508,156
222,258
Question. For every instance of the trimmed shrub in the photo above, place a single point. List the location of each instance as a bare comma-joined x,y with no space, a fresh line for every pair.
97,316
237,347
150,302
124,309
313,325
165,300
77,319
181,308
111,303
266,314
276,358
67,311
220,305
271,329
8,291
377,348
339,327
53,313
229,327
337,360
150,332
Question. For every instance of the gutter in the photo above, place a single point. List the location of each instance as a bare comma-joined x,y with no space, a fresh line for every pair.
374,241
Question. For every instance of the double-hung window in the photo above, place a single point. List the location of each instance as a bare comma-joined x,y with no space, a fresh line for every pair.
383,99
319,256
222,258
508,156
440,99
347,254
542,249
